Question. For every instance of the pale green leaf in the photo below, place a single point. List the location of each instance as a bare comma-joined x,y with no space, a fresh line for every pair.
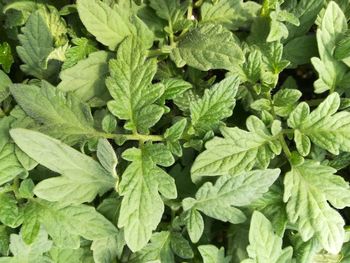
208,47
142,207
264,244
109,25
323,126
130,86
239,150
211,254
219,200
308,187
36,45
5,82
105,250
107,157
10,168
82,177
216,104
61,116
232,14
331,71
10,215
86,78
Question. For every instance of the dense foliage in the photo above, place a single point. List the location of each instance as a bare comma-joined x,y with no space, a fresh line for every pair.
174,131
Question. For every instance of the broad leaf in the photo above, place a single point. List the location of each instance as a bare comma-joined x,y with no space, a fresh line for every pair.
308,187
62,116
10,168
130,86
142,206
239,150
264,244
218,201
82,177
211,254
86,78
323,126
208,47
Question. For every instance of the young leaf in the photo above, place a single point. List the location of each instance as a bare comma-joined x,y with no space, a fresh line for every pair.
264,244
331,71
219,200
323,126
130,86
86,78
10,168
82,177
63,117
239,150
308,187
208,47
36,45
142,206
211,254
109,25
10,215
107,156
216,104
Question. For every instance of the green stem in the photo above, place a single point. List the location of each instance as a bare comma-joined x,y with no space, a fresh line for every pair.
132,137
285,147
155,53
190,11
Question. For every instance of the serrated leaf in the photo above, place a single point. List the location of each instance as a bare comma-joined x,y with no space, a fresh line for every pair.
216,104
219,201
83,47
308,187
109,25
86,78
30,253
106,250
264,244
142,206
82,177
239,150
331,71
63,117
211,254
232,14
324,126
63,223
10,215
10,168
36,45
130,86
5,82
208,47
174,87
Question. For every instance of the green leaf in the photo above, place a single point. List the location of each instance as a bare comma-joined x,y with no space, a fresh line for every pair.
264,244
232,14
208,47
285,100
36,45
331,71
63,117
66,255
86,78
83,47
109,25
216,104
142,207
6,58
174,87
5,82
218,201
10,215
107,156
239,150
30,253
63,223
106,250
323,126
308,187
82,177
195,225
211,254
130,86
168,9
10,168
300,50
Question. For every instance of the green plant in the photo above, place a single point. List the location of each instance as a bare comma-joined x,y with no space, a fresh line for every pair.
174,131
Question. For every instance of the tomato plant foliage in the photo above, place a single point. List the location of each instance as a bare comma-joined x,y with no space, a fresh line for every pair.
174,131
